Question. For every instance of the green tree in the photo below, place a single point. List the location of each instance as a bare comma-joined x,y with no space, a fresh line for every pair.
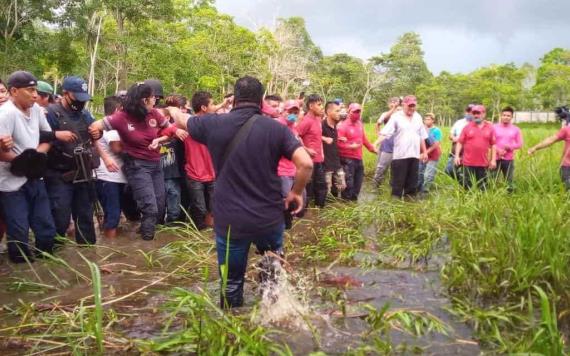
553,78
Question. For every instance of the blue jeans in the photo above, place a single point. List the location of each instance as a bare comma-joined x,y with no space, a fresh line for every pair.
201,201
426,175
28,207
354,175
147,183
109,194
173,197
69,200
237,252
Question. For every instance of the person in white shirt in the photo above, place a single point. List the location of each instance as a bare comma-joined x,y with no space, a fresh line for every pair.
451,169
409,134
23,197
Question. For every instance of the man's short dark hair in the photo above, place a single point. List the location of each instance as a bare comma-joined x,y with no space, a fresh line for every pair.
274,97
311,99
228,95
176,100
199,99
111,104
248,90
329,104
508,109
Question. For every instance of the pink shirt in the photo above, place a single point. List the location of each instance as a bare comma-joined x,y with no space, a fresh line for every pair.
508,136
286,168
311,132
354,133
564,135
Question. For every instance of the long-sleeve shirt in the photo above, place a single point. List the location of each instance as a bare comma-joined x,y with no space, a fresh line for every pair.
353,132
507,136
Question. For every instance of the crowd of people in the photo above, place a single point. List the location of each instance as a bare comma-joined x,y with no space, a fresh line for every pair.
244,167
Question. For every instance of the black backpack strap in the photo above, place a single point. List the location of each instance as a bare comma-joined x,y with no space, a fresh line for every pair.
238,138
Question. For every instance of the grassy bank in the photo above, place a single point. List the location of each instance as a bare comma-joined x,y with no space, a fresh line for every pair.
509,266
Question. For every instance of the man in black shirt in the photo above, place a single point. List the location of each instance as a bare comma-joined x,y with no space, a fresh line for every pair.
248,203
334,174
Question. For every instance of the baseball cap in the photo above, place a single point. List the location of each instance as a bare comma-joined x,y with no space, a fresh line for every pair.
22,79
478,108
78,87
44,87
354,107
410,100
290,104
156,86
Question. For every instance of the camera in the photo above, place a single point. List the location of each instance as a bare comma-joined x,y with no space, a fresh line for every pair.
563,113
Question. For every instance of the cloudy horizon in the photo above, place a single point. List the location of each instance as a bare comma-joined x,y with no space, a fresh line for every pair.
457,36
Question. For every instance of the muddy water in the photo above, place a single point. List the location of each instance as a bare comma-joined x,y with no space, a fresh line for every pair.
324,326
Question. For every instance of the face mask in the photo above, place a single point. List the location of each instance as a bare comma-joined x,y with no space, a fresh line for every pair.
478,121
291,117
468,117
76,105
355,116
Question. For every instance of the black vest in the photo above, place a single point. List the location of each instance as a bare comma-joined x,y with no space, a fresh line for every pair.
61,155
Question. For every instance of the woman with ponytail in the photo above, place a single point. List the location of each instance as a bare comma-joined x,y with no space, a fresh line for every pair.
142,129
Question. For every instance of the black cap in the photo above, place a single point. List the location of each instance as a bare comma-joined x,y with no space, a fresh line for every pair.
156,86
22,79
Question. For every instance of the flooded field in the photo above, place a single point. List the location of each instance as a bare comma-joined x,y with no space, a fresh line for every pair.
162,296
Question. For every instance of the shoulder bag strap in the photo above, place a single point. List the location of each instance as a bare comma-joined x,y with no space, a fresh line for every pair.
238,138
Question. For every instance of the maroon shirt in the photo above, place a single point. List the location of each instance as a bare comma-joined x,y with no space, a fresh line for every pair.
138,135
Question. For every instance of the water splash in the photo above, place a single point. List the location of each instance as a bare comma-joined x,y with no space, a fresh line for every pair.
282,303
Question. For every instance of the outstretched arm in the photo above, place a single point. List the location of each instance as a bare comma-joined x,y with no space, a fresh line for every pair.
545,143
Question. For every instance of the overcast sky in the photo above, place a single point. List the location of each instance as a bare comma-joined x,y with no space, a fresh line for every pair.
457,35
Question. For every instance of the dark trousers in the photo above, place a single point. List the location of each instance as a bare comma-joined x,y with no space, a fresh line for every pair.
317,187
237,251
354,175
72,200
147,183
507,169
109,194
405,177
565,176
28,207
129,205
201,201
475,176
173,198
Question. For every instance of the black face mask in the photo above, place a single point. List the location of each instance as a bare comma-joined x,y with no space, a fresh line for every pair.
76,105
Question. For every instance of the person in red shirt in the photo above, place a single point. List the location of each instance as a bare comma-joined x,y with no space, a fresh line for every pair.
142,130
200,174
477,141
562,135
351,138
271,106
310,131
286,169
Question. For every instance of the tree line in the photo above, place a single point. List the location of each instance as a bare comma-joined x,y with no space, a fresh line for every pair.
190,46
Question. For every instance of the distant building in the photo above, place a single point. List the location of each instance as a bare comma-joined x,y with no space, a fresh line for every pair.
534,116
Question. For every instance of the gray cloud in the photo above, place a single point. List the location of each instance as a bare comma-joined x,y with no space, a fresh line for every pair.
458,36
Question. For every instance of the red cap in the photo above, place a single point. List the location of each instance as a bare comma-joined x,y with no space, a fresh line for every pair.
290,104
354,107
478,108
410,100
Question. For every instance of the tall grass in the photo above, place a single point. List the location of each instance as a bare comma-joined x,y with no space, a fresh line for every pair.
509,255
